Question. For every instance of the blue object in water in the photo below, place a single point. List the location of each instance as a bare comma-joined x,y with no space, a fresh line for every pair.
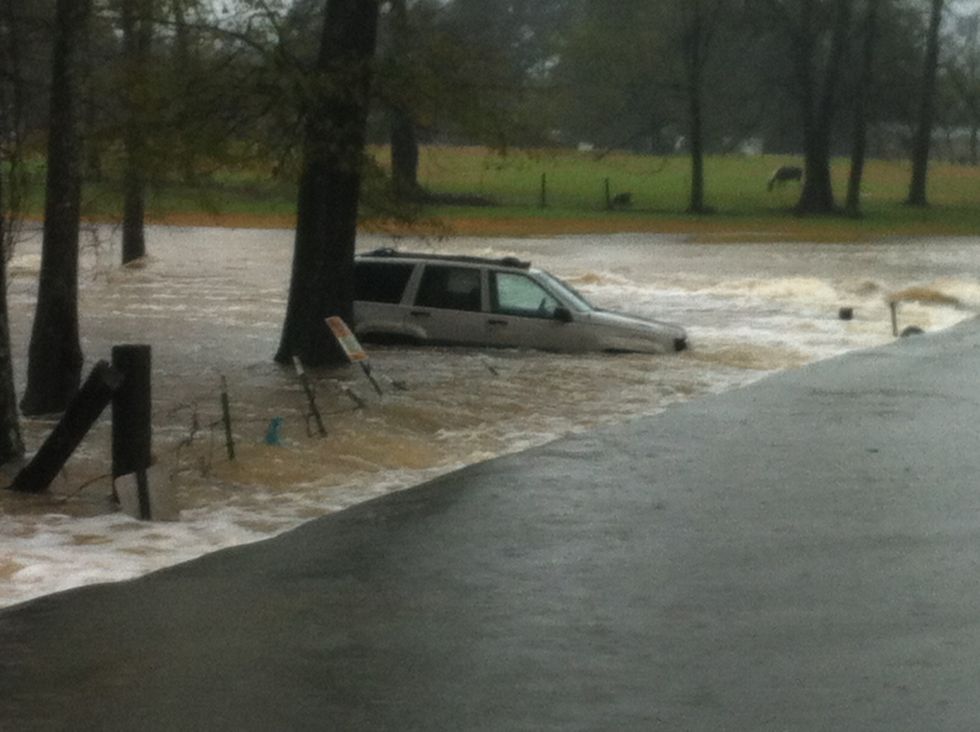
272,434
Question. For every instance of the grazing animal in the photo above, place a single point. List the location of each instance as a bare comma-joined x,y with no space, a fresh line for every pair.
783,174
622,200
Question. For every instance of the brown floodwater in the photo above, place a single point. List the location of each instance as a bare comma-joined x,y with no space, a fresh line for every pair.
210,302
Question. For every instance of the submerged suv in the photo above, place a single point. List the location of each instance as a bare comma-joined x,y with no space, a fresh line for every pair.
453,300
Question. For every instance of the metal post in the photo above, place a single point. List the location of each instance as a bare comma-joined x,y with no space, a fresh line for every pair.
374,382
310,396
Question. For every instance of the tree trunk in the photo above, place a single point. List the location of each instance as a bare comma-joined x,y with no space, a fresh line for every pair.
865,85
137,27
55,353
403,137
695,61
11,444
183,63
326,227
817,195
404,155
923,133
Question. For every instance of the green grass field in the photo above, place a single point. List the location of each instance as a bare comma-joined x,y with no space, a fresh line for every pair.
736,189
575,184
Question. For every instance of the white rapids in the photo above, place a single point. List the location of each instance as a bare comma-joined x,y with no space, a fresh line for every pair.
211,301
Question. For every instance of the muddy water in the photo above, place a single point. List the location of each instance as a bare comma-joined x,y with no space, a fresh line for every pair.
211,301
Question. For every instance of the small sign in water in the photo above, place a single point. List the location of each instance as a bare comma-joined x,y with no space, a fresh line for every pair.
347,340
355,354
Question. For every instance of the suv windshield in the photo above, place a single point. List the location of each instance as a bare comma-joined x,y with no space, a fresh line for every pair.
518,294
573,295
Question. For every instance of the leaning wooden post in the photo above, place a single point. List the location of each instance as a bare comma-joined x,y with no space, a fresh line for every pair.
132,412
85,407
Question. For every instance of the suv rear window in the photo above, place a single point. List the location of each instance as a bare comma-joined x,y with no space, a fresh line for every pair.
381,281
452,288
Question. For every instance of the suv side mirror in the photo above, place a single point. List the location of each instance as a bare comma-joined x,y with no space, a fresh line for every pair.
563,314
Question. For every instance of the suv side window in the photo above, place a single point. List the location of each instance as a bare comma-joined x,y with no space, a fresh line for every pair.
381,281
517,294
451,288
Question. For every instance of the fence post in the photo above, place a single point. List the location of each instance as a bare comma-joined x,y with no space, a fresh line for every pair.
608,197
226,418
543,196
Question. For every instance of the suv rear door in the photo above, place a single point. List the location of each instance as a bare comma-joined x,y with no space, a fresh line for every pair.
379,293
449,304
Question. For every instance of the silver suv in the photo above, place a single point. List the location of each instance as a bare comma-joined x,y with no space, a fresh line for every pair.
402,297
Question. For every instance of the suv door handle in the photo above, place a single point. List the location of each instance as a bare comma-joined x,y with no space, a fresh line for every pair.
495,321
420,314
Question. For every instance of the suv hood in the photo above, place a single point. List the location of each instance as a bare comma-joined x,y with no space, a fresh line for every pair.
630,333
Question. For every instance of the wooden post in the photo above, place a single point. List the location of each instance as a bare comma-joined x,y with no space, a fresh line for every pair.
543,195
608,197
85,407
226,418
894,307
132,411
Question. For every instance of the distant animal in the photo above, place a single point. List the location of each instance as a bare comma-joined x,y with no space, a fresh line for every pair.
784,173
622,200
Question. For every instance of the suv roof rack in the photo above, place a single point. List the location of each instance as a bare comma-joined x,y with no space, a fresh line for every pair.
500,261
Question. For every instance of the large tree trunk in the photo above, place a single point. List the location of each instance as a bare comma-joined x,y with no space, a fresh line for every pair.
137,27
11,445
55,353
817,195
326,227
923,133
865,85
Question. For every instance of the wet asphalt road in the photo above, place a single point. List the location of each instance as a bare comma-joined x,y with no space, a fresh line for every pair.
802,554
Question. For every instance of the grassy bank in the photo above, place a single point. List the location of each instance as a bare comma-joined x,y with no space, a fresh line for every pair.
575,198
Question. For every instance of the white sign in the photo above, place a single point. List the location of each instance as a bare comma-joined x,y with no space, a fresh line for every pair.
346,339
